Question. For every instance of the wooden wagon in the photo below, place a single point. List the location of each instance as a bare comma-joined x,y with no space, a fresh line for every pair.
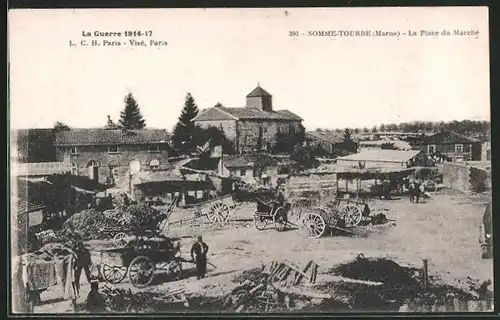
216,210
349,207
140,263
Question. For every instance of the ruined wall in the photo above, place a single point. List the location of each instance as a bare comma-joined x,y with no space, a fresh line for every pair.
315,187
466,178
120,160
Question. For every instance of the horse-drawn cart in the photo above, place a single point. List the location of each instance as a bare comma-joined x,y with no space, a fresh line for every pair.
141,263
342,213
216,210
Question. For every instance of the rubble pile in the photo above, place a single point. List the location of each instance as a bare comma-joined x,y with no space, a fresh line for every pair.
271,289
383,285
121,300
50,252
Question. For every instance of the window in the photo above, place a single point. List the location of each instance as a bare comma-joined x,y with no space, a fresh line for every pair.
74,168
154,164
154,148
243,172
113,149
72,150
431,148
459,148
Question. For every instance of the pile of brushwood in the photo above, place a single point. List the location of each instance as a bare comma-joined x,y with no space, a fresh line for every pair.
90,223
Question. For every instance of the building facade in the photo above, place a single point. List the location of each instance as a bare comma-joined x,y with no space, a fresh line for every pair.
453,146
256,121
110,156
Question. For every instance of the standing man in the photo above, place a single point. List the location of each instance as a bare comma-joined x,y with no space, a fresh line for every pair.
199,255
83,261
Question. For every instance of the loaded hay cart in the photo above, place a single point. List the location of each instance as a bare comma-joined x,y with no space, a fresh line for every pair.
140,256
350,207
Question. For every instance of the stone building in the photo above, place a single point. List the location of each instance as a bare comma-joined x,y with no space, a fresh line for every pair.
243,126
111,155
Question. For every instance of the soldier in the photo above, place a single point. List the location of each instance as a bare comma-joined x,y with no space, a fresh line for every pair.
83,261
199,255
95,301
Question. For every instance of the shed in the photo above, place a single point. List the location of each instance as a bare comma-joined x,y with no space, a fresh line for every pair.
385,158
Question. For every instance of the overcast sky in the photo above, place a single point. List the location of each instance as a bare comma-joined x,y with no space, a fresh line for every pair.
221,55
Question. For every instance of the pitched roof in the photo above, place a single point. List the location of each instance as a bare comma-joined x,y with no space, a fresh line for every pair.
223,113
402,145
448,137
258,92
249,160
110,137
382,155
328,136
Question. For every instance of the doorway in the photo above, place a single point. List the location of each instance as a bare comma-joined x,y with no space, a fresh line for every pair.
93,168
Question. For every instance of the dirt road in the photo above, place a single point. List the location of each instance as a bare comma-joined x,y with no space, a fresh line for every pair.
444,230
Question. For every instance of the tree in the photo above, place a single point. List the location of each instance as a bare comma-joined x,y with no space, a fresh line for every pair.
110,125
60,126
374,129
218,105
356,130
382,128
366,130
259,143
304,157
131,117
348,143
183,135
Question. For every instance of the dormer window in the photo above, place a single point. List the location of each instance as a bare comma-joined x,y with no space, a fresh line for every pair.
112,149
154,148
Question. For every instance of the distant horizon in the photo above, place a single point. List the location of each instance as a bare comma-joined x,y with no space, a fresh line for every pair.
307,129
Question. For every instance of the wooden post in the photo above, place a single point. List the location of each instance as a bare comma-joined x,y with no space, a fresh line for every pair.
426,275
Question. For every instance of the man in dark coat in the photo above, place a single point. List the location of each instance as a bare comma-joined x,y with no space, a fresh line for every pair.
199,255
83,261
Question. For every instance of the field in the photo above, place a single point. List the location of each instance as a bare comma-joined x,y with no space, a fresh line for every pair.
443,229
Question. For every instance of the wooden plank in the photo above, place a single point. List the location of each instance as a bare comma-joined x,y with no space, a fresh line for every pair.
296,269
286,274
299,277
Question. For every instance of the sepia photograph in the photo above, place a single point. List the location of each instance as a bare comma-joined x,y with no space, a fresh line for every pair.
250,160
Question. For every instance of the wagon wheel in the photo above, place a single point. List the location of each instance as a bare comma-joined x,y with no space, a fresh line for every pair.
174,270
314,225
119,239
113,274
141,272
279,219
219,212
352,215
260,222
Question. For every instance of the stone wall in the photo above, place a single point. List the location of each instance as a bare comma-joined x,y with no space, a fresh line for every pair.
466,178
119,160
315,187
249,130
229,127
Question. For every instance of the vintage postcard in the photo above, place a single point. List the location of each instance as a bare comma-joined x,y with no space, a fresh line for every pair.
250,160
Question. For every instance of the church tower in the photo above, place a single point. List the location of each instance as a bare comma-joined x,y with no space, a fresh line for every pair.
260,99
